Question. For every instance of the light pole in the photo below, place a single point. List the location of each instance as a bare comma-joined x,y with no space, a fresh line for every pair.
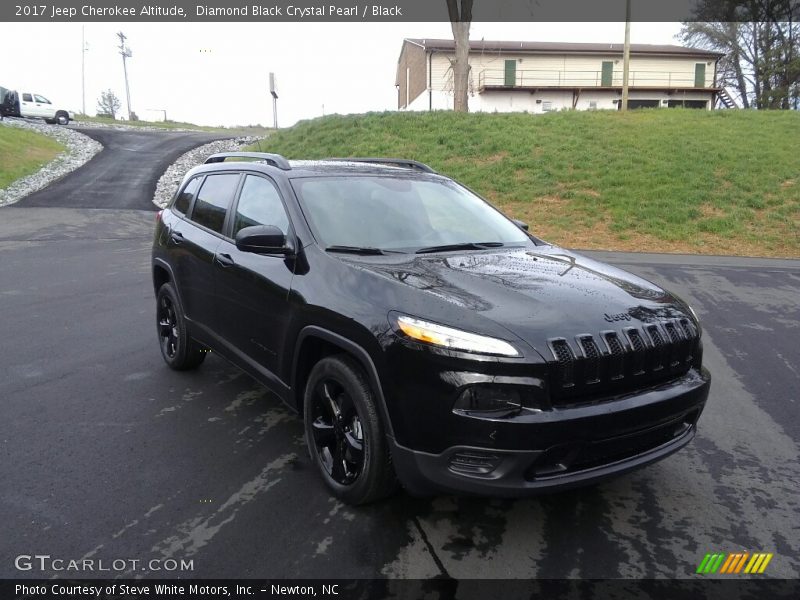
84,48
273,90
126,54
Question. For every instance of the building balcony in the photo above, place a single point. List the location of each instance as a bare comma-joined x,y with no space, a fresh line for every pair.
535,79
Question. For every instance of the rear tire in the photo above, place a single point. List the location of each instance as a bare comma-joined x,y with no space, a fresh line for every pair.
344,432
179,351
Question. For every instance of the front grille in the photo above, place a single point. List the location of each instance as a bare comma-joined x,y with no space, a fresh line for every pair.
590,366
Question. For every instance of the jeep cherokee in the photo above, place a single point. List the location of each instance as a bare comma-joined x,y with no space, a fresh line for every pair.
424,337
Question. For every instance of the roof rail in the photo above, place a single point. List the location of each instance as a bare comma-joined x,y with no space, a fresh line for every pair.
276,160
395,162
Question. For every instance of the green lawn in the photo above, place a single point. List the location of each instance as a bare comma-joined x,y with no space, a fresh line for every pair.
255,130
23,152
674,180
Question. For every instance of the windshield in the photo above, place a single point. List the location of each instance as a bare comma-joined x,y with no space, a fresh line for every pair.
393,213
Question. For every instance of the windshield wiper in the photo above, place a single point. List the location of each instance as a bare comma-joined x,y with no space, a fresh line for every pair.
462,246
365,250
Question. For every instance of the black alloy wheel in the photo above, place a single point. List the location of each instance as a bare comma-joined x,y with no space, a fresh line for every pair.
179,350
337,430
167,326
345,432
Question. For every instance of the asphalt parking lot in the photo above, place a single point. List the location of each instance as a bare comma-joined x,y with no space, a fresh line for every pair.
106,453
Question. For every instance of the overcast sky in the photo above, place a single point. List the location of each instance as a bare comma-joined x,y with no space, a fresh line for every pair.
217,73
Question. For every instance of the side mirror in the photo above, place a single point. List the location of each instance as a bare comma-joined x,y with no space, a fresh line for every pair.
263,239
521,224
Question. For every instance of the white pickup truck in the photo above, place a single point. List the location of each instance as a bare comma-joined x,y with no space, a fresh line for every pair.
31,105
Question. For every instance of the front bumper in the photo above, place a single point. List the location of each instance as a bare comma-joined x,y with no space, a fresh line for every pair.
565,447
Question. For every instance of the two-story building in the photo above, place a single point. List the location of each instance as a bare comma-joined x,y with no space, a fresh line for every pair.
540,77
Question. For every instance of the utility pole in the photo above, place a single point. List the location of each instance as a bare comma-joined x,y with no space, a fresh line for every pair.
626,56
126,54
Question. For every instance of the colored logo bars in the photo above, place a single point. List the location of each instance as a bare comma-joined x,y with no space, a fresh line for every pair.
734,563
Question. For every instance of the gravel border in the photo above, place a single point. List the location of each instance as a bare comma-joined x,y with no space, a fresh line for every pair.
123,126
168,183
80,150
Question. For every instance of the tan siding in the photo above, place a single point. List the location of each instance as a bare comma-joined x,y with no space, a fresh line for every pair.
412,62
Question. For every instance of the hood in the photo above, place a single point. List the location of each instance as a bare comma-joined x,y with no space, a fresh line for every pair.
536,294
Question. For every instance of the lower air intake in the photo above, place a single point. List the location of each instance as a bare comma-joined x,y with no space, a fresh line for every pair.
474,462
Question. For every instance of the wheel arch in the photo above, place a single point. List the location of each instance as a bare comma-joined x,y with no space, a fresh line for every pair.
161,274
313,344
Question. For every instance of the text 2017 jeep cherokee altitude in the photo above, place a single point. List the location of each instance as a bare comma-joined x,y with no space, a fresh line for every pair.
423,336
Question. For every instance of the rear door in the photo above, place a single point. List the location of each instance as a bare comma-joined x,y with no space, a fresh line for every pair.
253,310
193,242
27,106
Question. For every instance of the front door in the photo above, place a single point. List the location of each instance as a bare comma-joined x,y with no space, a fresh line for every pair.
44,107
700,75
607,75
511,73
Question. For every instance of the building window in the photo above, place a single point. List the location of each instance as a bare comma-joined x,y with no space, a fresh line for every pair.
593,105
547,106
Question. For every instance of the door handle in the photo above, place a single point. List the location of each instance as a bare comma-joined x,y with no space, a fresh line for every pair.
224,260
176,236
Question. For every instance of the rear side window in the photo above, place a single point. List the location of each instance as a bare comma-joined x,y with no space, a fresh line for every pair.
259,204
184,201
213,200
27,98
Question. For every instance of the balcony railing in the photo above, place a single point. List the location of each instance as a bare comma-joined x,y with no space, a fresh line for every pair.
535,78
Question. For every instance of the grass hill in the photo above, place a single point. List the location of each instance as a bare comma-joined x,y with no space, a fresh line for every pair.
719,182
23,152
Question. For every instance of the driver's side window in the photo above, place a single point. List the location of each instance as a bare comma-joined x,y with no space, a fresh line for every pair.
259,204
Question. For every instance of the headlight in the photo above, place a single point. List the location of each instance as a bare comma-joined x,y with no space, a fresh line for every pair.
454,339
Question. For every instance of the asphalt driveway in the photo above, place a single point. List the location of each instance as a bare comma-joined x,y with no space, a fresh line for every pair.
124,174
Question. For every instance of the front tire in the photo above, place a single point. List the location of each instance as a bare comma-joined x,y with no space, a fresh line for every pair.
179,351
344,433
62,118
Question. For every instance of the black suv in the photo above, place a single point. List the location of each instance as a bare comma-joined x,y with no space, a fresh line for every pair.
423,336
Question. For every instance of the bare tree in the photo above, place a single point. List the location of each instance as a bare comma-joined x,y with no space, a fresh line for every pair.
108,104
460,12
761,45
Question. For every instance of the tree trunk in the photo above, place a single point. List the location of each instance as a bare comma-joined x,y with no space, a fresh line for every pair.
740,82
461,67
460,12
